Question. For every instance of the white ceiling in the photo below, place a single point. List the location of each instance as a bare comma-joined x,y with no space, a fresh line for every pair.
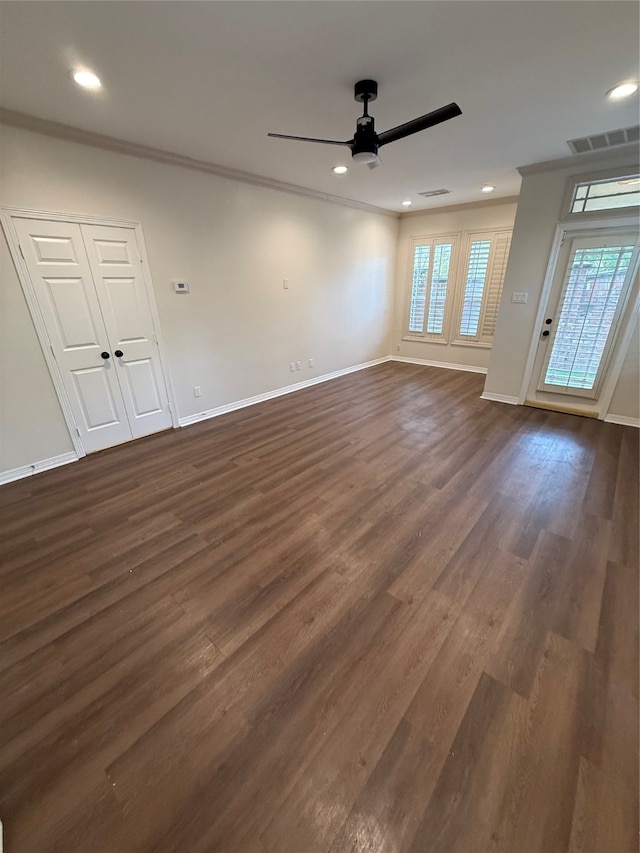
209,79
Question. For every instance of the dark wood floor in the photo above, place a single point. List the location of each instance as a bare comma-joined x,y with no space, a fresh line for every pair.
378,615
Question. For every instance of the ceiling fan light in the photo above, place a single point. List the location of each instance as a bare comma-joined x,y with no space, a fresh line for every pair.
623,90
365,156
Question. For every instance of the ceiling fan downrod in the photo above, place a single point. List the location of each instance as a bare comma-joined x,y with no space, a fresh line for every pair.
364,148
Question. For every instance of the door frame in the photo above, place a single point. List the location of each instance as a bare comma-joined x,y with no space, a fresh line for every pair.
7,214
570,229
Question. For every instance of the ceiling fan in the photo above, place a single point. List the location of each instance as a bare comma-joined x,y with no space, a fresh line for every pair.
366,142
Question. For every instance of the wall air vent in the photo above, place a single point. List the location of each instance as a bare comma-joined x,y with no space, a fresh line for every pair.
610,139
431,193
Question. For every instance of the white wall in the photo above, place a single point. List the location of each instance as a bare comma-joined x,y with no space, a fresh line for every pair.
625,401
238,329
539,211
432,224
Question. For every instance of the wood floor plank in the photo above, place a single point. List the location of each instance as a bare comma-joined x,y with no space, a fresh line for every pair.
318,805
532,614
380,614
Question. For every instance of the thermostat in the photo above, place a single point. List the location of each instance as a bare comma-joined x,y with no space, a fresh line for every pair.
181,287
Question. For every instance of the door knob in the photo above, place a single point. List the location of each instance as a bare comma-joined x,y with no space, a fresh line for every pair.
545,334
105,355
118,353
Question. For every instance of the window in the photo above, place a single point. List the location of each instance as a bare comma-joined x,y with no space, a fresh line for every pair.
429,288
447,307
602,194
486,265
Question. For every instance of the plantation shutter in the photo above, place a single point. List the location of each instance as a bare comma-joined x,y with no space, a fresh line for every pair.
495,282
486,265
474,288
421,257
429,288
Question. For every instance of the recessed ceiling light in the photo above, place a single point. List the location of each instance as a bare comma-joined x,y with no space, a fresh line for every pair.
407,203
87,79
488,188
340,170
623,90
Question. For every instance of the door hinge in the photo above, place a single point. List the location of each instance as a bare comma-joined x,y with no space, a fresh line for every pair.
78,431
53,352
21,252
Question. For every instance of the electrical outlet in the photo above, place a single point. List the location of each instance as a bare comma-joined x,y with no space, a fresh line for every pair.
298,365
285,283
292,366
310,362
197,391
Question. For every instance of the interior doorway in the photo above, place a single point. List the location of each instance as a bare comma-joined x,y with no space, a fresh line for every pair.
94,310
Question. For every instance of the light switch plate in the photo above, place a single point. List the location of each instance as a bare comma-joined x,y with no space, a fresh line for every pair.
181,286
519,297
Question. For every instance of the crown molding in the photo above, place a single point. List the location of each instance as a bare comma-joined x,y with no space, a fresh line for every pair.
468,205
629,153
12,118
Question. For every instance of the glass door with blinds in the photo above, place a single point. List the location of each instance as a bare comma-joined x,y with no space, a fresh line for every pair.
592,288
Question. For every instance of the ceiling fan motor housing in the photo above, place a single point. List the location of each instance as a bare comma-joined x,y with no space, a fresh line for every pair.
364,148
365,90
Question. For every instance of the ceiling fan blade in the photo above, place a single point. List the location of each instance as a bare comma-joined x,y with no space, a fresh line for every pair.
417,124
309,139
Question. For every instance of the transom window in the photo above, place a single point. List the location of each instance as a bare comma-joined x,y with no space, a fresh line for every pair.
606,194
602,194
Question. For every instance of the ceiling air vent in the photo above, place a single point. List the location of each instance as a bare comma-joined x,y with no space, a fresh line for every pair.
431,193
604,140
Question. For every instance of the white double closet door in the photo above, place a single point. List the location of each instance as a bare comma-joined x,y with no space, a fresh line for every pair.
93,299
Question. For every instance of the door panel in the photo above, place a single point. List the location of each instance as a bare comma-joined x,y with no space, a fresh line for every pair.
74,321
98,406
56,259
126,310
115,264
54,250
112,252
141,384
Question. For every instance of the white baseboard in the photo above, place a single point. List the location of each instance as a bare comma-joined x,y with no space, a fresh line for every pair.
279,392
448,365
500,398
623,420
37,467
